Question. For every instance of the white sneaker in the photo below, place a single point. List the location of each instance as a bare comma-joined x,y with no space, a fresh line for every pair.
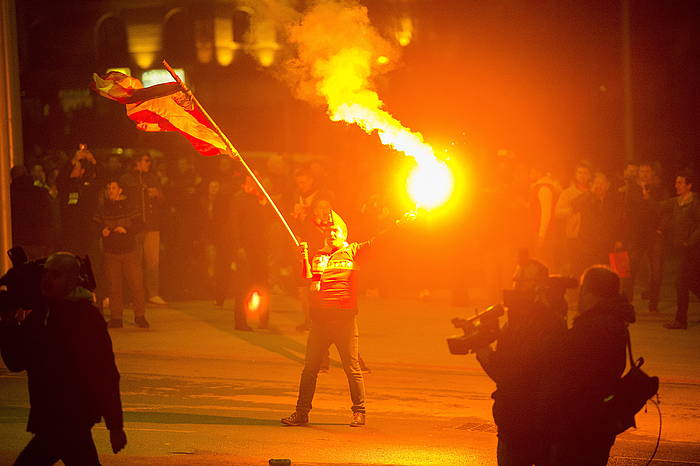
157,300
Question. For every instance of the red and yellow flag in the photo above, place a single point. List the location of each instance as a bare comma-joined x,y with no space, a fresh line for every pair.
163,107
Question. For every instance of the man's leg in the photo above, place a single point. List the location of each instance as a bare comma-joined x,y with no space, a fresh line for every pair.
41,450
683,288
656,264
113,271
512,453
79,448
151,258
346,340
133,273
636,254
316,347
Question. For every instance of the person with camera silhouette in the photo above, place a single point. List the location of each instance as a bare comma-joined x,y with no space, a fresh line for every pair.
522,365
63,344
593,359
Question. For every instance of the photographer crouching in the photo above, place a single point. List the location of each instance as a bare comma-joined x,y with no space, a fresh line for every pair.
523,362
59,337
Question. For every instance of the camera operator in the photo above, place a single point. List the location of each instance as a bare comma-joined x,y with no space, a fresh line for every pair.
522,365
594,359
64,346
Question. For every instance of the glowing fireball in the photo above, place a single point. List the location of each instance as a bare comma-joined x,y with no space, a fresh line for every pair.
430,184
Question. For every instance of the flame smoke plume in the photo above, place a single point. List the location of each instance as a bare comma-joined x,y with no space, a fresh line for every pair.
338,54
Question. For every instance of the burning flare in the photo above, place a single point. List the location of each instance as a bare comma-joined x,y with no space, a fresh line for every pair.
338,55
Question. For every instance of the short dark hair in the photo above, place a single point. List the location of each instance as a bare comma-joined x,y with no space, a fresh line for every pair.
687,175
601,282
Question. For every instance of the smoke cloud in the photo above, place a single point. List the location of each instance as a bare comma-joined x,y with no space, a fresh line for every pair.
337,52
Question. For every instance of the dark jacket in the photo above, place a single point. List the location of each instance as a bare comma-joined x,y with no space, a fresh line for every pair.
67,353
680,224
594,360
149,208
119,213
31,213
525,356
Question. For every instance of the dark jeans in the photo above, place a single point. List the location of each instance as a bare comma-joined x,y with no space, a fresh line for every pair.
686,280
653,254
582,451
74,447
521,453
124,266
342,332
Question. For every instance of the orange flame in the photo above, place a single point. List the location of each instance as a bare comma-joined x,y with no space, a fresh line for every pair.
338,51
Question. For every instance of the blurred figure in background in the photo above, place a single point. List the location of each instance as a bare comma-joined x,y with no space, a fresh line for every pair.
599,227
681,229
250,217
184,253
77,198
146,193
640,220
31,214
564,211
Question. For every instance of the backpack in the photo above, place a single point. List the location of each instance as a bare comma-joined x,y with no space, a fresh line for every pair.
632,392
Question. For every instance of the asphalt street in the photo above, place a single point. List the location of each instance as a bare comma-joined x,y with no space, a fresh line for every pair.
197,392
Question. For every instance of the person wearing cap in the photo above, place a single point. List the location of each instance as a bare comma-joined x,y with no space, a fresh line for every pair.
333,309
64,346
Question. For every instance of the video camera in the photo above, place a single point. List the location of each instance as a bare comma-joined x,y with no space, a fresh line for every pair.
23,282
483,329
479,331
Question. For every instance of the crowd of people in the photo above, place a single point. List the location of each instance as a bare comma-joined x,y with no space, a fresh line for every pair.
206,232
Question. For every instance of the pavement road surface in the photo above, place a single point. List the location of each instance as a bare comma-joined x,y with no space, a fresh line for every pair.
197,392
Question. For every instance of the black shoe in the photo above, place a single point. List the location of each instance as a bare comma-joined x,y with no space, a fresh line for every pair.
297,418
115,323
675,325
141,322
358,419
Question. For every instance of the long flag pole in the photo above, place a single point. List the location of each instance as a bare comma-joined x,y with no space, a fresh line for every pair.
232,152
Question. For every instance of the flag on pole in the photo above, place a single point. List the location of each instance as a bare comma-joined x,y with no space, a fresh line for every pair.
163,107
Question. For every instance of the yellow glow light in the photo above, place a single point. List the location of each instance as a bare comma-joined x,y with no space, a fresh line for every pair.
430,184
255,301
383,60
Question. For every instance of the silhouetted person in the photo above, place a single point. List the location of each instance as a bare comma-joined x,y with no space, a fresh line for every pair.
594,358
681,230
521,364
183,248
31,214
77,200
641,210
250,228
73,380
